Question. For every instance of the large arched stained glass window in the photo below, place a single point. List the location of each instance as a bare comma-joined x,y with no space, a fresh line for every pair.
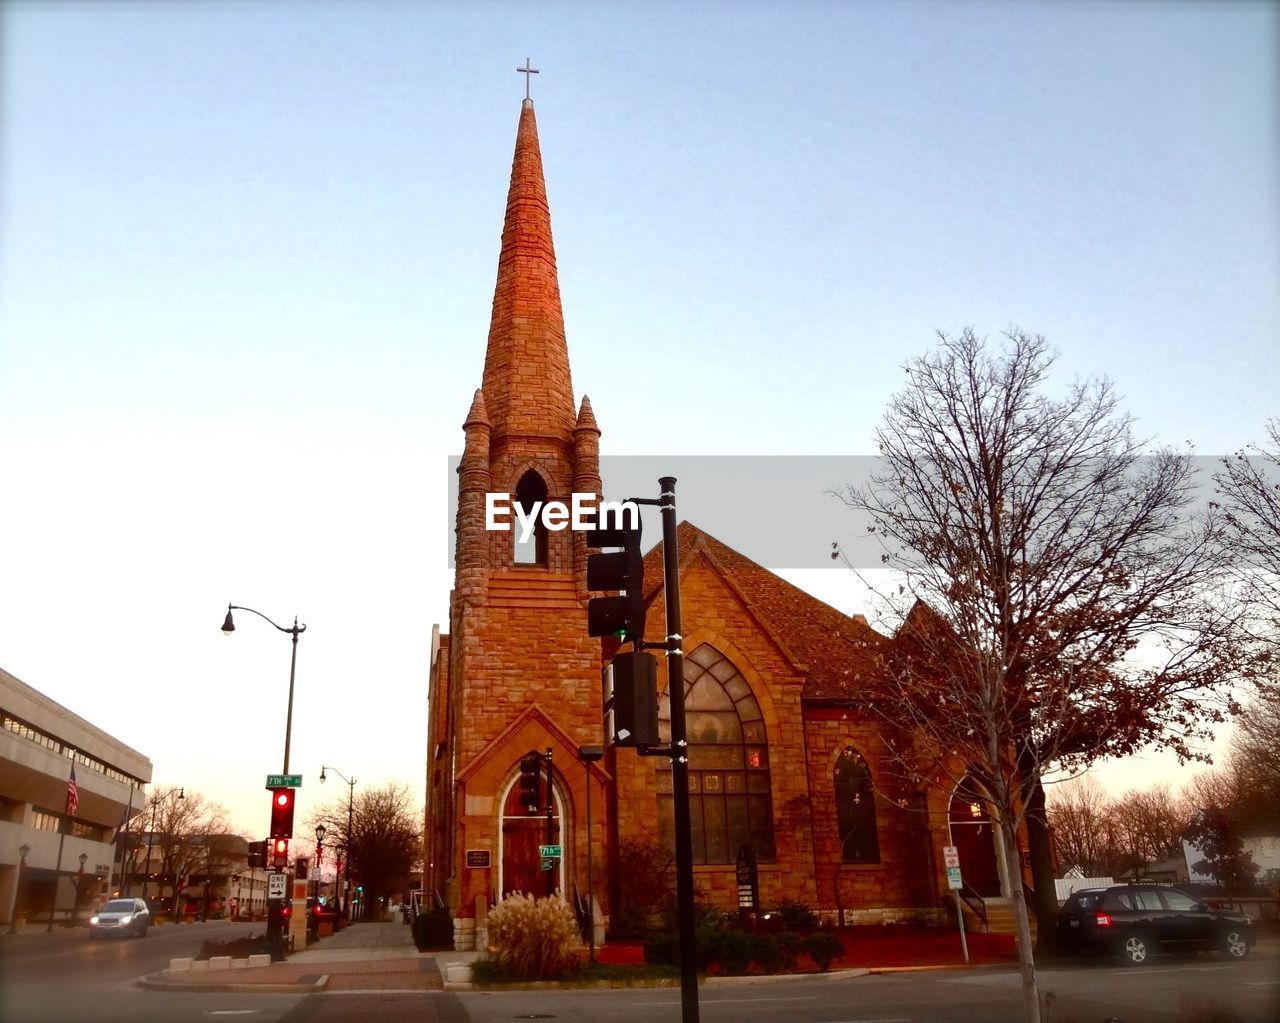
729,803
856,809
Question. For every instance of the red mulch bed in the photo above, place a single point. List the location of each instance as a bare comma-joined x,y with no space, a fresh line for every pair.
874,947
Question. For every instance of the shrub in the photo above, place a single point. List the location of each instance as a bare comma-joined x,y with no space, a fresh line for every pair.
534,939
766,952
650,872
796,916
823,948
790,945
433,930
662,949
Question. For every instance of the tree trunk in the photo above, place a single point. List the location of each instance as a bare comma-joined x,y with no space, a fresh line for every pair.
1022,923
1040,848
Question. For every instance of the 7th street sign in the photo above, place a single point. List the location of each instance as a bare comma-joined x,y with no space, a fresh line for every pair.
284,781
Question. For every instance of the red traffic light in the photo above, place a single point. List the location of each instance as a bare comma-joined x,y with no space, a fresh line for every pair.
282,813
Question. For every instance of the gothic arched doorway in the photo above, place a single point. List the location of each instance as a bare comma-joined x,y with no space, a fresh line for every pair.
522,834
972,835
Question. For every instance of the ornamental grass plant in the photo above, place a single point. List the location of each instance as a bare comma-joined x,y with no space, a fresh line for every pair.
534,939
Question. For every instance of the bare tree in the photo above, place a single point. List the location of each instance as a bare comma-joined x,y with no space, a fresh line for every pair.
1249,491
1044,545
1080,814
184,831
385,840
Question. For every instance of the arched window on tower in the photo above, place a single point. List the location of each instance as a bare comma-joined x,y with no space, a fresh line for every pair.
856,809
729,800
530,493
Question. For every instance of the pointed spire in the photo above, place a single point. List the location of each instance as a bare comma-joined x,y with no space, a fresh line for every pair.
478,415
586,418
526,368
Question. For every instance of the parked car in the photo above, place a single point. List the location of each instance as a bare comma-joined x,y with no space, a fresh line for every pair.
1137,921
121,916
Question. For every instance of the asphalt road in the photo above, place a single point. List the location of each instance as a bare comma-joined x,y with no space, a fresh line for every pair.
64,978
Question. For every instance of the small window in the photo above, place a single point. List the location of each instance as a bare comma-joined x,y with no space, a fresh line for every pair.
531,493
1180,901
1117,901
1149,901
1086,901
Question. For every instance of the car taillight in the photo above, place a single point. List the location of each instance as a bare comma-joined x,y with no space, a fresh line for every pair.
1102,919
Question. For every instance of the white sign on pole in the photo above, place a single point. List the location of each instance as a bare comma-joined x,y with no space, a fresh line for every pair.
315,874
277,885
950,856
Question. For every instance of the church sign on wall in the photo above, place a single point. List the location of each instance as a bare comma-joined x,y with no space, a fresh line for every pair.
748,881
477,857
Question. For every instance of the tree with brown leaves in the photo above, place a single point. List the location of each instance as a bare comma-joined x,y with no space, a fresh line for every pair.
1044,548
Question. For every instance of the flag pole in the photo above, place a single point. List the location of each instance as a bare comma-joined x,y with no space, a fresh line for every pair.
70,807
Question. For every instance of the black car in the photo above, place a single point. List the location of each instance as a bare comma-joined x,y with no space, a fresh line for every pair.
1137,921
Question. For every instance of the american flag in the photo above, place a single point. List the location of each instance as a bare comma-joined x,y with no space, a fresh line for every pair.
73,797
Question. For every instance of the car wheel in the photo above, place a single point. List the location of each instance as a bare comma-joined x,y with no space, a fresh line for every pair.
1234,945
1135,950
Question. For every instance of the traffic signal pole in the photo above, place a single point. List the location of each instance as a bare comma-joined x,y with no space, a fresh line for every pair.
679,754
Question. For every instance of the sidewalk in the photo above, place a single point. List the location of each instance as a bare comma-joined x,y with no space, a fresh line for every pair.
364,956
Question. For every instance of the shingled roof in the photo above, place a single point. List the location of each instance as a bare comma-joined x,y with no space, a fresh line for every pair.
837,652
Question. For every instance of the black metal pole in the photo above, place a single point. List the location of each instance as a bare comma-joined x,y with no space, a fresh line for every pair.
679,754
591,901
288,720
551,874
57,874
346,862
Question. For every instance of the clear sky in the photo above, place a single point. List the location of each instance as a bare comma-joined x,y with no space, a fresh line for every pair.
247,253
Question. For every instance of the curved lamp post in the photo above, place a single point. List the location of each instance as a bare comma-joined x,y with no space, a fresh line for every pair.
346,861
229,626
320,829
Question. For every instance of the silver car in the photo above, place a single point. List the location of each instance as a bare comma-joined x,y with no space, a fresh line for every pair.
121,916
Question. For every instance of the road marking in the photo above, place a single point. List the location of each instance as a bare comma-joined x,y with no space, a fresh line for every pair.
232,1012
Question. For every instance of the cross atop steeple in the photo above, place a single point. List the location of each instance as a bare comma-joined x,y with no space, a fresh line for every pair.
528,70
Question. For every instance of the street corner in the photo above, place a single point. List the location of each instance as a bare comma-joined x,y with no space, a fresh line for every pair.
233,983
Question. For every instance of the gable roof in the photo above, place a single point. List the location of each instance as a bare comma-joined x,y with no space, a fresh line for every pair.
839,652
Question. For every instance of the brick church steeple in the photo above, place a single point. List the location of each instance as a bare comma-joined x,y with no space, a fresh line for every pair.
519,672
527,388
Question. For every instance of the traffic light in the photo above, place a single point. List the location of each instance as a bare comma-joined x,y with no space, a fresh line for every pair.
531,781
258,854
631,700
623,615
282,813
280,853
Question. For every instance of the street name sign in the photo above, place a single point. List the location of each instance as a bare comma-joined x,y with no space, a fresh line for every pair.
277,885
284,781
549,851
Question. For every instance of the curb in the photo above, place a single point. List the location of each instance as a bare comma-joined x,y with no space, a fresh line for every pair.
786,978
158,982
953,967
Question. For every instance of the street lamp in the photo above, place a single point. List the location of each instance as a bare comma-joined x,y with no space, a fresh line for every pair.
229,626
346,861
320,829
75,910
17,887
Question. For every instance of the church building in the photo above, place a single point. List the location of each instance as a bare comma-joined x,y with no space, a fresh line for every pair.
782,760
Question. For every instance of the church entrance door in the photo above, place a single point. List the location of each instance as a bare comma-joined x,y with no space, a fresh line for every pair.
522,834
972,835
